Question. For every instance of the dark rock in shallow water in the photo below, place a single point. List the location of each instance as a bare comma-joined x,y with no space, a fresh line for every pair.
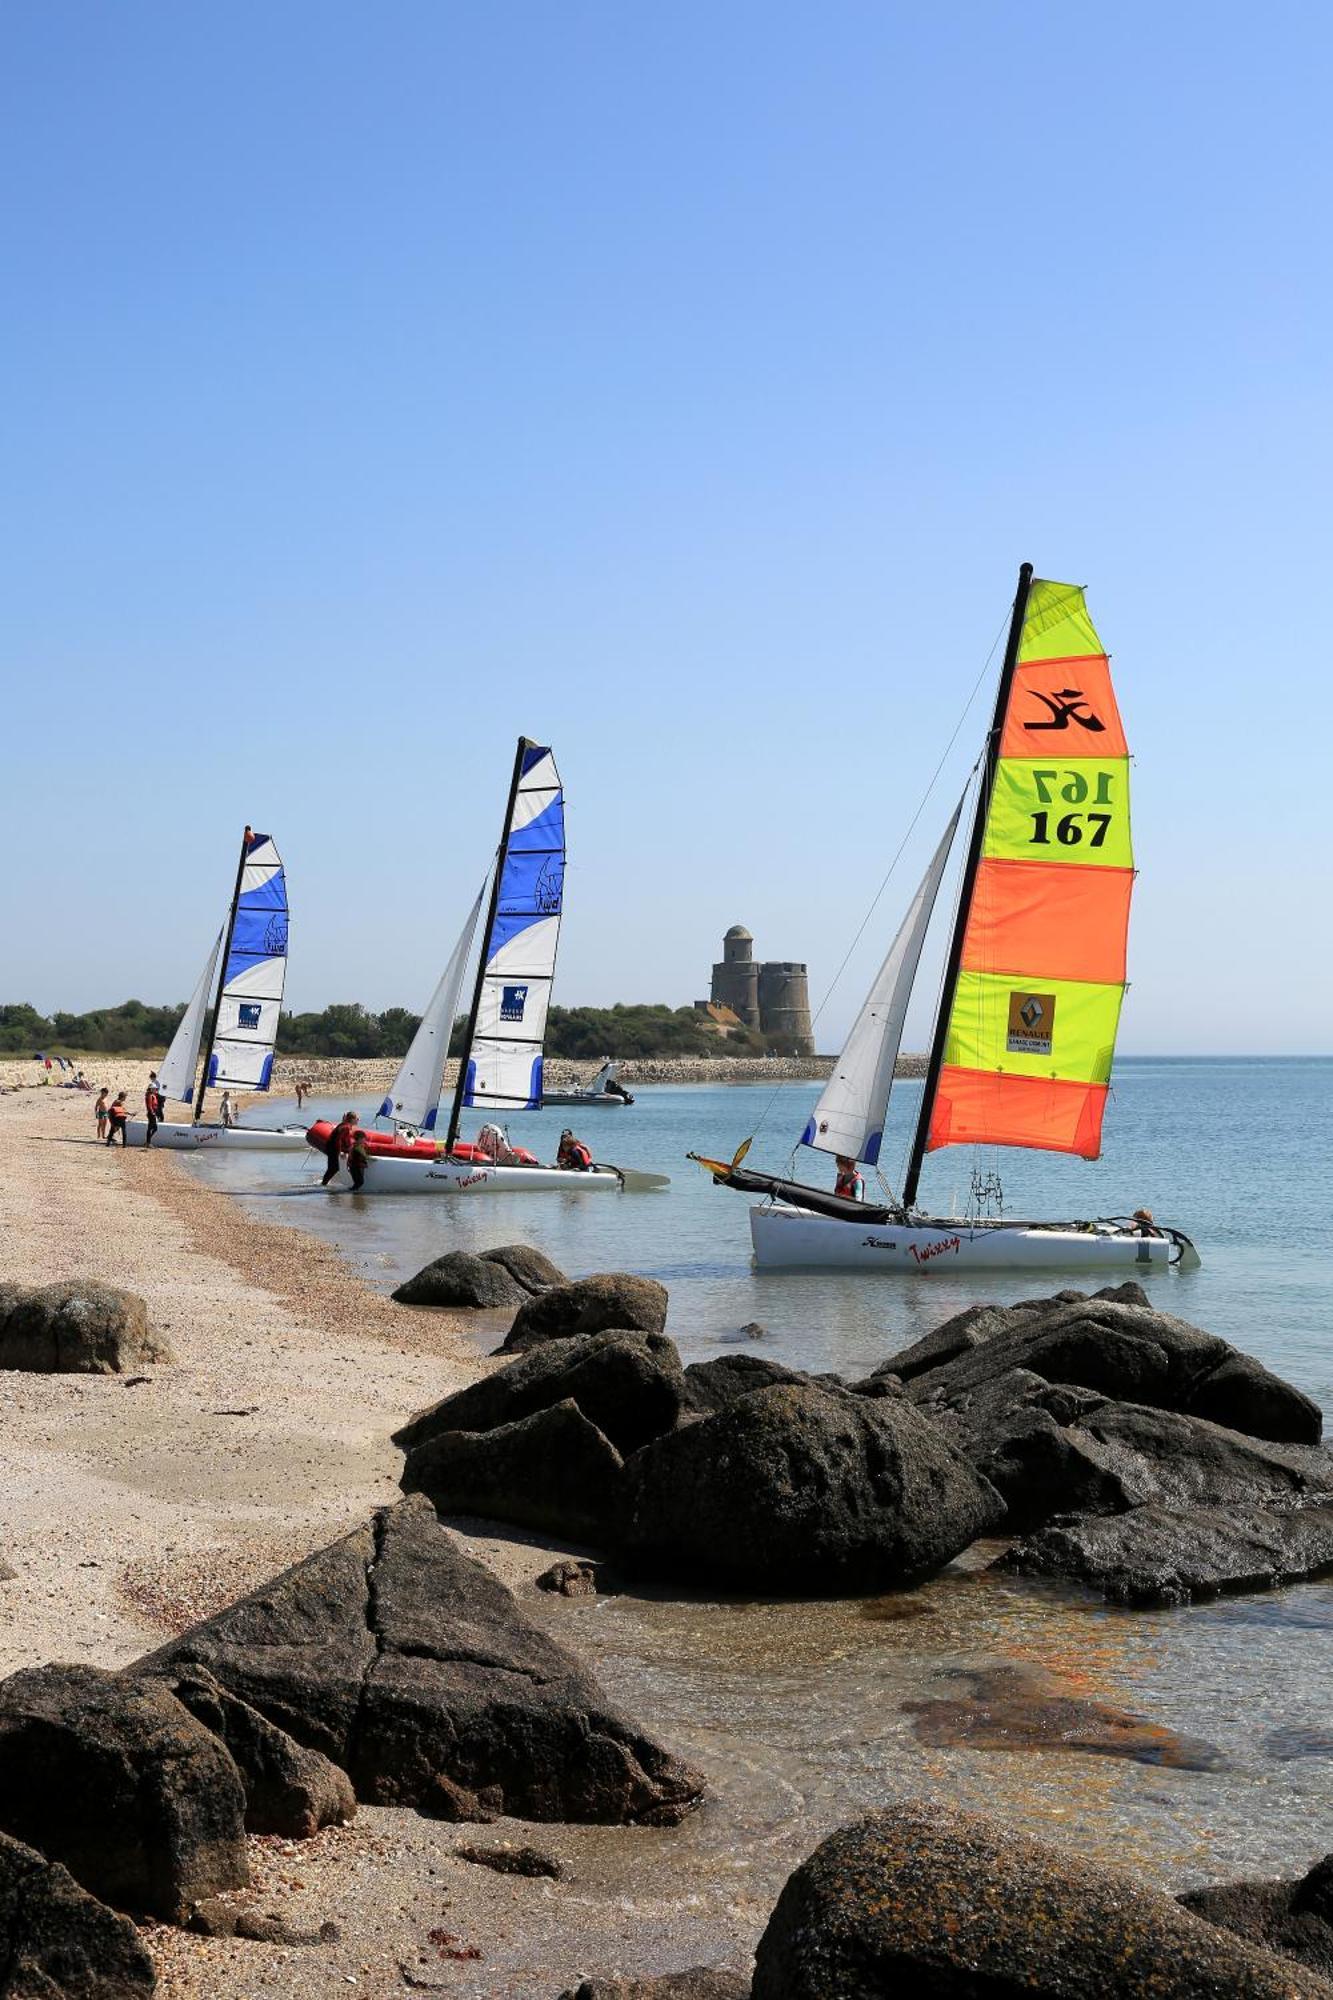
553,1471
78,1328
752,1330
711,1385
793,1490
1175,1555
533,1268
700,1982
113,1778
611,1301
59,1943
409,1663
631,1385
290,1789
1294,1919
506,1859
570,1578
461,1278
1021,1707
1122,1350
927,1903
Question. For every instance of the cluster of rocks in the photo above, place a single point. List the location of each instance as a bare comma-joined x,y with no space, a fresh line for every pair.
77,1328
392,1668
924,1900
1121,1446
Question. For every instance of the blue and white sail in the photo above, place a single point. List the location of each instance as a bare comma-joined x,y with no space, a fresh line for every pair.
250,1000
176,1075
504,1070
414,1096
849,1117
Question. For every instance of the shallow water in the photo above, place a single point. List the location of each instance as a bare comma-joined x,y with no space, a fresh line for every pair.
799,1712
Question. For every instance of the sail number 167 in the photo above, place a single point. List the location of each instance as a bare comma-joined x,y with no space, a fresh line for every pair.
1069,830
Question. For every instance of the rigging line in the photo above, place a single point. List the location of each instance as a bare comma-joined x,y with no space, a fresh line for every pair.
888,874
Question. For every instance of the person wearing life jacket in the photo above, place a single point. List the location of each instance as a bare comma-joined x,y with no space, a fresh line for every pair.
849,1183
339,1145
573,1154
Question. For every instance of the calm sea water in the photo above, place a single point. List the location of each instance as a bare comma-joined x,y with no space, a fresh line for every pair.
802,1714
1235,1151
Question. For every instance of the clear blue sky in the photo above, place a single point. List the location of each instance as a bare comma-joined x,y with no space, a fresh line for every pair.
680,385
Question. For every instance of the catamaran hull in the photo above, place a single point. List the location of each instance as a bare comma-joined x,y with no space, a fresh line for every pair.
453,1177
189,1138
570,1100
787,1238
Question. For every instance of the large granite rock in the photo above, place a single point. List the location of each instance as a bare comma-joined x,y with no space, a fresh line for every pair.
711,1385
629,1384
611,1300
553,1470
1115,1344
78,1328
793,1490
1294,1919
461,1278
533,1268
924,1902
112,1777
290,1789
59,1943
405,1660
1177,1555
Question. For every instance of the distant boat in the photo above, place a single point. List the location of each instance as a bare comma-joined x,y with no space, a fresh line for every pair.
500,1069
243,1026
604,1093
1026,1026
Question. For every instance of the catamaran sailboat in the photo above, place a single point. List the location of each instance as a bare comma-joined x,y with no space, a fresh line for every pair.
243,1028
1026,1025
501,1065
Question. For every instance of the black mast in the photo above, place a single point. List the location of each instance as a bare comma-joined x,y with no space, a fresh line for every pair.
456,1114
247,839
969,883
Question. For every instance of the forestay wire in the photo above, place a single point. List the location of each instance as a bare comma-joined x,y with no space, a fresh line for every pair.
924,801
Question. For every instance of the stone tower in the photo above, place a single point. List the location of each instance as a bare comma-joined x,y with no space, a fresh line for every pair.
773,997
736,977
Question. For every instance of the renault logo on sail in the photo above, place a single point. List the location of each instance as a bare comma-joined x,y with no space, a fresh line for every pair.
1031,1024
513,999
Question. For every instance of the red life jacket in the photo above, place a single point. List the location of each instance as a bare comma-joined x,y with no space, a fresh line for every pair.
576,1154
851,1185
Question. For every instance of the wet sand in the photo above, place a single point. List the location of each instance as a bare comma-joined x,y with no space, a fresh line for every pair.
129,1512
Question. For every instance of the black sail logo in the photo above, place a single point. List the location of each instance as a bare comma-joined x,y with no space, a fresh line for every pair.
1031,1024
1066,705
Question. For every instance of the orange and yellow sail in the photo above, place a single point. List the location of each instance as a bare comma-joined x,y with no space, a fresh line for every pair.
1033,1015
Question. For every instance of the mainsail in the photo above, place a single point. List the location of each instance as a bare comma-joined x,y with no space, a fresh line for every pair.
250,999
176,1075
415,1094
849,1117
504,1057
1032,998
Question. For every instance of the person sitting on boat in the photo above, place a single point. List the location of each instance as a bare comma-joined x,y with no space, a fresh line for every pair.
573,1154
1143,1223
492,1143
849,1183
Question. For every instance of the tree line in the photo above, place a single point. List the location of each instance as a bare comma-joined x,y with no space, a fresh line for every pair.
352,1031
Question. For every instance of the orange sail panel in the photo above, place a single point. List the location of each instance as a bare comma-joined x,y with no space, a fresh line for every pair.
1034,1009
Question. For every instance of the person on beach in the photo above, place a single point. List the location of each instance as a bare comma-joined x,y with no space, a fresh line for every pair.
100,1112
300,1095
573,1154
118,1118
227,1110
849,1183
358,1159
152,1104
339,1145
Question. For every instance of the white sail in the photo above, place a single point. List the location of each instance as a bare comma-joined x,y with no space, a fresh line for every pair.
606,1074
504,1067
176,1075
849,1117
414,1096
250,1003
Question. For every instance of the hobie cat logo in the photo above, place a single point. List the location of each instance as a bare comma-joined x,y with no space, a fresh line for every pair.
1031,1024
513,999
1064,706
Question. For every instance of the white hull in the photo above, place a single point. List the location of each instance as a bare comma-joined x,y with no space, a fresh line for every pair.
188,1138
385,1175
570,1101
787,1238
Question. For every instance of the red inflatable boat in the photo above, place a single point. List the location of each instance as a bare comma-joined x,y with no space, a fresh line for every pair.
402,1148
